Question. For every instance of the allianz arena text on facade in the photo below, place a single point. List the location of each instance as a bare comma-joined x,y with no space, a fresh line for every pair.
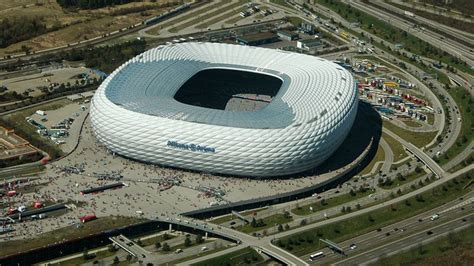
135,112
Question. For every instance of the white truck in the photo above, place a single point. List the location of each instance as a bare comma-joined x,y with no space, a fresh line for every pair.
409,14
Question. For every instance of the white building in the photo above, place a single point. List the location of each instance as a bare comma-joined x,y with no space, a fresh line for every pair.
309,44
140,112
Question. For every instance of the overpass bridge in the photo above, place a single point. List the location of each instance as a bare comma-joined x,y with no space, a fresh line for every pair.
260,245
132,248
419,154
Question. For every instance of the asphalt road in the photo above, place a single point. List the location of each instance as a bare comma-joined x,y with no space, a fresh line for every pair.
379,242
410,241
434,39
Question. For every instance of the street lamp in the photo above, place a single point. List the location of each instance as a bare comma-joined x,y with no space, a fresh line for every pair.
77,185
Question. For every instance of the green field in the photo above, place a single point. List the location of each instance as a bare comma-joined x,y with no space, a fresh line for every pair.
465,103
269,221
245,256
397,148
379,156
296,21
402,179
455,249
307,241
329,203
416,138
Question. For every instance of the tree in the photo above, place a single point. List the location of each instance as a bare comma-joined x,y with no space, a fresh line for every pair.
187,242
253,223
453,240
112,248
157,245
166,247
407,203
116,260
280,228
166,236
352,193
371,219
323,202
358,206
286,215
303,222
287,227
85,254
199,239
418,169
421,251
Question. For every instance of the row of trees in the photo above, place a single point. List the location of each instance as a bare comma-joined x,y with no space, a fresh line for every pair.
107,58
17,29
91,4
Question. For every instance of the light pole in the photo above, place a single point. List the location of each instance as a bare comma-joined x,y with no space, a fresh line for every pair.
77,185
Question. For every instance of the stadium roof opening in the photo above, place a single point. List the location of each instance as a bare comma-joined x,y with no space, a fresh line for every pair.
216,88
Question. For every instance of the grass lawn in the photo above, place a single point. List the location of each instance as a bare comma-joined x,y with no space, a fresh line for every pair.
199,18
269,221
468,161
416,138
153,240
328,203
295,21
99,255
307,241
430,118
379,156
245,256
454,249
68,233
397,148
465,103
402,179
412,123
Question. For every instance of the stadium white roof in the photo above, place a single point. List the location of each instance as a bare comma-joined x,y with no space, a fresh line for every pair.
312,87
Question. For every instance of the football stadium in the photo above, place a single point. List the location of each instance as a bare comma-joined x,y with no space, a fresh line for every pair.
226,109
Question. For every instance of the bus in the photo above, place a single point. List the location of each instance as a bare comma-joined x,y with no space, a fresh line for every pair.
316,256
